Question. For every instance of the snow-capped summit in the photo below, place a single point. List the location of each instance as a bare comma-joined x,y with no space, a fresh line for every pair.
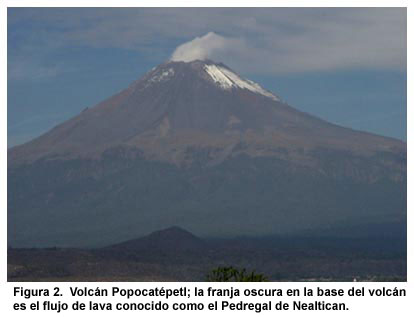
218,73
227,79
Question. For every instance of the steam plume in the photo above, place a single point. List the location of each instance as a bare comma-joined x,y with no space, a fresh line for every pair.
203,47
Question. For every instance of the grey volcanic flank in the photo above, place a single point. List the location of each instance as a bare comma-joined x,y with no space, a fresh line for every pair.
196,145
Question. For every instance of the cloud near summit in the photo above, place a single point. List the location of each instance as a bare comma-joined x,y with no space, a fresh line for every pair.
208,46
299,40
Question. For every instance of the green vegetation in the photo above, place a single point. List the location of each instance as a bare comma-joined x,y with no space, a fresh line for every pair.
231,274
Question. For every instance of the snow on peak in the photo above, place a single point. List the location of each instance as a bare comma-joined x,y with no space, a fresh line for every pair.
228,80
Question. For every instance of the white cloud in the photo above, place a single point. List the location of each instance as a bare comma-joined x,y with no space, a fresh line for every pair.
206,47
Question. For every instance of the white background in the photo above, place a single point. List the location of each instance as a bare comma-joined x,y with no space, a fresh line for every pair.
366,306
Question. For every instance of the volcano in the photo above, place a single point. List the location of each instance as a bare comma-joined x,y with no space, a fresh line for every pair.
196,145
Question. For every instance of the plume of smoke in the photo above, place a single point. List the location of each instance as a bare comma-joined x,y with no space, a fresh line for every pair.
205,47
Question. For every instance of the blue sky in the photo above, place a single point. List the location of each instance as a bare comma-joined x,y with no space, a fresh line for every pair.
346,65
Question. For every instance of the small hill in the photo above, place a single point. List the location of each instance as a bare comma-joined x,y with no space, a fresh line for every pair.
173,239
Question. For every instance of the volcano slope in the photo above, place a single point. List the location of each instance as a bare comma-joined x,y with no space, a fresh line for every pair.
196,145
